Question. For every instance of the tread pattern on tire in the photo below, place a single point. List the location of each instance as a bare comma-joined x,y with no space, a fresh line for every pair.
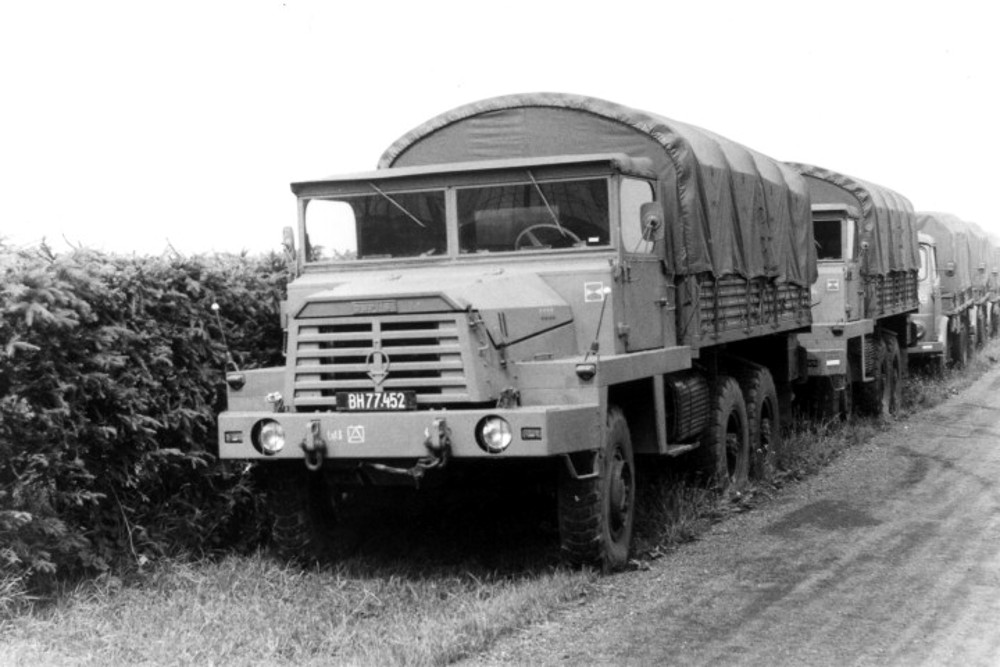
300,518
583,530
895,367
758,387
711,453
870,393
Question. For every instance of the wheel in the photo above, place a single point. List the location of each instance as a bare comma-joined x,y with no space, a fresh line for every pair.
940,362
823,400
894,368
302,512
846,398
724,453
959,345
875,395
596,514
980,328
763,421
529,234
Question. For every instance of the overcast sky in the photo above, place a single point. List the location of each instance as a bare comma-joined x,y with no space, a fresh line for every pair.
125,126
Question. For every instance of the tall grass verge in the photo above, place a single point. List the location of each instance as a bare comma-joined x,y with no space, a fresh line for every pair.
255,610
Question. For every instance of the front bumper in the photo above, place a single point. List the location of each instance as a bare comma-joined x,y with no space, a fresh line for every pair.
825,362
926,348
537,432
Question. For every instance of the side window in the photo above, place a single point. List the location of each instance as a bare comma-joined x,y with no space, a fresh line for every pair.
634,193
331,231
828,239
926,262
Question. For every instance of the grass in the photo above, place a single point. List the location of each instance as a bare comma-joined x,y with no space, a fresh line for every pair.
256,610
438,578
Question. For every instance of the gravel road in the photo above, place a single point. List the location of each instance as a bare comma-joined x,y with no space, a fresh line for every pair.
890,556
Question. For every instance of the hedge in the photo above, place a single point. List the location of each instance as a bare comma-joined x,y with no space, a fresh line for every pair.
111,375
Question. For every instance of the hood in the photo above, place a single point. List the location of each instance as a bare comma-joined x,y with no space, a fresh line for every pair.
511,307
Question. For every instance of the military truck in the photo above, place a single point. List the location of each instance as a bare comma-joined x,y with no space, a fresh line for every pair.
983,283
868,261
540,281
949,323
930,325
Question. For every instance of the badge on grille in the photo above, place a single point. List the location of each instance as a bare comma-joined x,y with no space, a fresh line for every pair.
378,366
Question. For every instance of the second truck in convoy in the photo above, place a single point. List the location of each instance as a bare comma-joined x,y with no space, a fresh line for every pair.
868,259
564,283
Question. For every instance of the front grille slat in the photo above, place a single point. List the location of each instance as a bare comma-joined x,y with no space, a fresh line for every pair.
424,351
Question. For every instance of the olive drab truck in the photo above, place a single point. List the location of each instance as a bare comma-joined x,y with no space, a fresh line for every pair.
540,280
983,283
868,261
946,320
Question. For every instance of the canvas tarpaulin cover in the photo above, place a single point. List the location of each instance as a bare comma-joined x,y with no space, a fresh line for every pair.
730,209
961,243
887,222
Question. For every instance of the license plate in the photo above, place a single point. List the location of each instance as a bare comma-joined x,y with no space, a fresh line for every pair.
372,401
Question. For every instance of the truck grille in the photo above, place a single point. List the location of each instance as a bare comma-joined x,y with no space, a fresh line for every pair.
424,355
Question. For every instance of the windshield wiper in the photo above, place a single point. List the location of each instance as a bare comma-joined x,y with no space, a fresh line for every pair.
538,188
397,205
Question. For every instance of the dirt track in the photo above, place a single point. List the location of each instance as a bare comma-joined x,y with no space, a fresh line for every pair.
891,556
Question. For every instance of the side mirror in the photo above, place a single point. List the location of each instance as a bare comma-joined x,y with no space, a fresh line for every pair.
651,215
949,269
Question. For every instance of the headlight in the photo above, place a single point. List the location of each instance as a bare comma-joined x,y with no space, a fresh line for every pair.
268,436
493,434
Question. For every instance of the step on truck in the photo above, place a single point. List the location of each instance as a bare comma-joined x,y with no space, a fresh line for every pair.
547,281
868,264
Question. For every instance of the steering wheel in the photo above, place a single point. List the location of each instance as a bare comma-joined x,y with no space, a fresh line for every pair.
529,234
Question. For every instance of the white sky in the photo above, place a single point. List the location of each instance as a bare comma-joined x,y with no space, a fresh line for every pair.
125,125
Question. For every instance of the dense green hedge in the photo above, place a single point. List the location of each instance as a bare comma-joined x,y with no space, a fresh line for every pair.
111,374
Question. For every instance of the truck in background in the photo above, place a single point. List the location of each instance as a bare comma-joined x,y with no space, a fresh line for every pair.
868,261
984,284
958,293
546,281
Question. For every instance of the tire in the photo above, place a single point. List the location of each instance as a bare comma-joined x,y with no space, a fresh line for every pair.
980,328
763,421
894,368
875,395
845,403
302,513
724,457
994,321
959,345
596,515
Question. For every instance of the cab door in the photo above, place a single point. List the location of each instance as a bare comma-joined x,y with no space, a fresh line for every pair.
642,274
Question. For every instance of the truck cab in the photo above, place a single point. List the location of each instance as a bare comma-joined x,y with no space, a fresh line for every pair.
477,288
930,326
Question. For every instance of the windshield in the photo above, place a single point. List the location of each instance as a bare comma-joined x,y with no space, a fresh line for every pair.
533,215
518,216
377,226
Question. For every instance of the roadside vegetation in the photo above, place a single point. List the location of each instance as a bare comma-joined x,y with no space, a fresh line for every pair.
123,541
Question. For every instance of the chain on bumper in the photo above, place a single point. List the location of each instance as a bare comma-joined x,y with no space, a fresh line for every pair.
437,440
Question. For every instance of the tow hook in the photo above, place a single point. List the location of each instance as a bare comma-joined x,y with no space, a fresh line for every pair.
314,447
437,440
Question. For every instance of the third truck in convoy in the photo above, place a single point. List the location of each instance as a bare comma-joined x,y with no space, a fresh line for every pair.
565,284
